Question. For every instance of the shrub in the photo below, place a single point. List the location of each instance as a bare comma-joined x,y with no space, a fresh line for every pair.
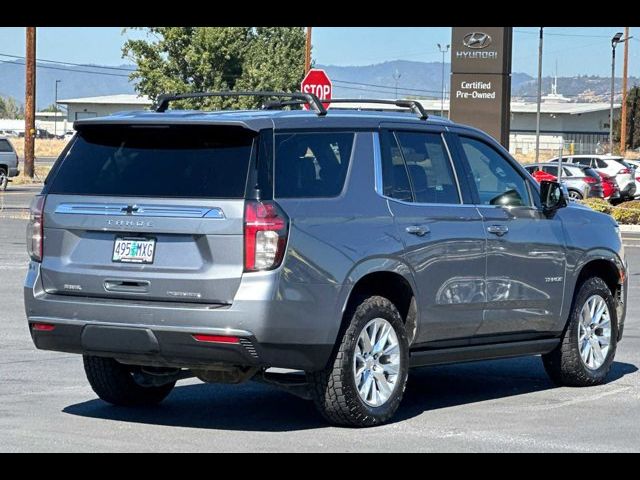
599,205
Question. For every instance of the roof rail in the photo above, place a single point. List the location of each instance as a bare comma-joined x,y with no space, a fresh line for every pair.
163,100
413,105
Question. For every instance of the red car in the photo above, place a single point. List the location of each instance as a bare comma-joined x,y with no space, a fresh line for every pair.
539,175
610,187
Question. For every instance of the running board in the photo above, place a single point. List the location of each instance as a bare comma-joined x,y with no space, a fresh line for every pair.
421,358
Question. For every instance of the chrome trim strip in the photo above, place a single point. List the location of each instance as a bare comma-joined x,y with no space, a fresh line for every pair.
159,328
377,164
125,210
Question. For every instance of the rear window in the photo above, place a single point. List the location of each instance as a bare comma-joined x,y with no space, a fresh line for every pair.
311,164
5,146
177,161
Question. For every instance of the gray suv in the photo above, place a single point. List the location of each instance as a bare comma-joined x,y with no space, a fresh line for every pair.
9,163
345,246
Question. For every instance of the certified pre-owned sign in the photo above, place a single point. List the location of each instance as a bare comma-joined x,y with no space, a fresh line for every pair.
476,40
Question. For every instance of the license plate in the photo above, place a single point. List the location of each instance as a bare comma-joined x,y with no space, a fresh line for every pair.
134,250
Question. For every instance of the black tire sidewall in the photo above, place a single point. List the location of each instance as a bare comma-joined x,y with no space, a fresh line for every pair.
4,179
362,316
593,286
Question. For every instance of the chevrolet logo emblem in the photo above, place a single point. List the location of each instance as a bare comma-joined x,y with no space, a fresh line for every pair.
130,209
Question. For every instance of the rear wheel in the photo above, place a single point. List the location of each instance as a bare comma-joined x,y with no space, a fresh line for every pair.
364,384
114,382
588,345
575,195
4,179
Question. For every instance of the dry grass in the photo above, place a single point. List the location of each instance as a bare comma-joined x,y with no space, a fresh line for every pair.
44,147
40,174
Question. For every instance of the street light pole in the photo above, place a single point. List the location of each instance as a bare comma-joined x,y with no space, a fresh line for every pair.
617,38
55,113
444,50
539,99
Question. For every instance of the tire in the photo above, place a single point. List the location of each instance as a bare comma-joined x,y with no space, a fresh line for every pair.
574,194
113,382
565,364
334,389
4,179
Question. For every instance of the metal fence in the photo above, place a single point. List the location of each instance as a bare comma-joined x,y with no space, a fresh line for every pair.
523,143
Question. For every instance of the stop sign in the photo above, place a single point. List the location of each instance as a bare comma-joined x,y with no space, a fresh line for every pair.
317,82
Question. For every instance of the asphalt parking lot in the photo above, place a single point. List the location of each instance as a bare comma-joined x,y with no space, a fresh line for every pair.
506,405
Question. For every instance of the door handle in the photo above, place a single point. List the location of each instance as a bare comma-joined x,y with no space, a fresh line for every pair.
418,230
498,230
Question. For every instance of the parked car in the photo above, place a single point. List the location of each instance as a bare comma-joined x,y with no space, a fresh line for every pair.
347,246
609,187
9,163
636,174
612,166
581,182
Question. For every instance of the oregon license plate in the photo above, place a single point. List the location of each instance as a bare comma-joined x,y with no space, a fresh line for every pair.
134,250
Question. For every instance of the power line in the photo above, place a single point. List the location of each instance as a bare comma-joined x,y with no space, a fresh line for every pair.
66,69
71,63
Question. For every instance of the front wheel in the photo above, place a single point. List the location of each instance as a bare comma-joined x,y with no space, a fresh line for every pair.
115,383
575,195
364,384
4,179
585,355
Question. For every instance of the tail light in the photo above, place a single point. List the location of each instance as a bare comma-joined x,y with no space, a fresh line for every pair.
265,235
35,229
590,180
624,171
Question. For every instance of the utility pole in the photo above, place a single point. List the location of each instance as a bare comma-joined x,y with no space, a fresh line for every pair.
623,113
30,103
443,50
307,52
55,113
617,38
539,99
396,77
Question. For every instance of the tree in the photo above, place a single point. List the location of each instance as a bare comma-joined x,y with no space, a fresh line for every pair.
633,121
200,59
53,108
11,109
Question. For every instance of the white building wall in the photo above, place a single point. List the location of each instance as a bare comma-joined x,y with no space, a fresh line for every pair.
78,111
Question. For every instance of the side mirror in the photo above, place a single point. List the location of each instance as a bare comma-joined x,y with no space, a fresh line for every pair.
551,196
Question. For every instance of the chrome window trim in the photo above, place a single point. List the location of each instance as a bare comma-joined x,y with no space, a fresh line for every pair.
379,188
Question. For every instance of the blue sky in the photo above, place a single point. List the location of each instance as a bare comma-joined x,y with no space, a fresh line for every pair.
581,50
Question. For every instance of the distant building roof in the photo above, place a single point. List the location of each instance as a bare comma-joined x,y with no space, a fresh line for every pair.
121,99
516,107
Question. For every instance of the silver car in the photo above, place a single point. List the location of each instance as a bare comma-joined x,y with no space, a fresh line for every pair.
346,245
9,162
581,182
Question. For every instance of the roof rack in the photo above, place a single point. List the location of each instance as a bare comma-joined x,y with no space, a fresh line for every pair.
413,105
299,98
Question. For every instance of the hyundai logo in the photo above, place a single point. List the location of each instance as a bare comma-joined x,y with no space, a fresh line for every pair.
476,40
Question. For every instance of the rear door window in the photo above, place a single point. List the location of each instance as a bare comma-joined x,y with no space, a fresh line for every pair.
187,161
311,164
5,146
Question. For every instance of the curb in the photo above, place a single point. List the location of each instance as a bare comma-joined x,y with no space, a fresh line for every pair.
629,228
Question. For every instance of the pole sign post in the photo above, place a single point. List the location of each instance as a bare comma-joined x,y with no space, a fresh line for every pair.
481,79
318,83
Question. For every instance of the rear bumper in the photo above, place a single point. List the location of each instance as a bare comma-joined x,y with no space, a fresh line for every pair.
289,333
14,172
629,190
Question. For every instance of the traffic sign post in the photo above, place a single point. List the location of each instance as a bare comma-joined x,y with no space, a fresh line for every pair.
318,83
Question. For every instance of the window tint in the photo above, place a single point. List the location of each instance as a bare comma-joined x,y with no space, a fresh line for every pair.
395,180
5,146
429,167
497,181
583,161
178,161
599,163
311,164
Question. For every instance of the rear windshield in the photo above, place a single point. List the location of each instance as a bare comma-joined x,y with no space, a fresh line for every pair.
178,161
5,146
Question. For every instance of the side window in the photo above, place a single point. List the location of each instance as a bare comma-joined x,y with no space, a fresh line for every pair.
311,164
395,179
599,163
5,147
497,181
583,161
429,167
